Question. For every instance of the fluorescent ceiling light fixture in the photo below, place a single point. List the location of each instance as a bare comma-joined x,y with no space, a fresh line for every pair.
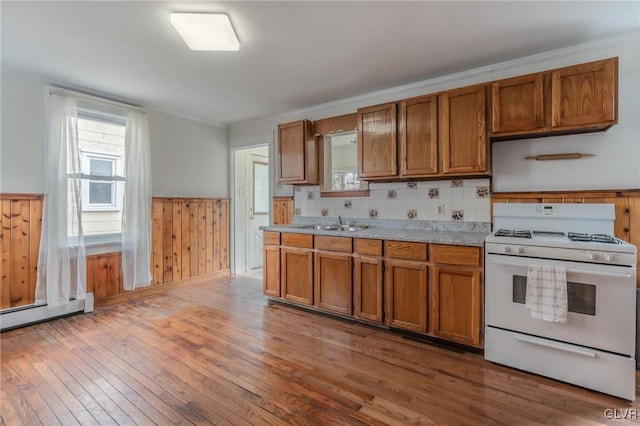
206,31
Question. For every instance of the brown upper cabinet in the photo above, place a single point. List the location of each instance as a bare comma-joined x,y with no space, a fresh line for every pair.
377,144
575,99
298,153
437,135
462,131
419,136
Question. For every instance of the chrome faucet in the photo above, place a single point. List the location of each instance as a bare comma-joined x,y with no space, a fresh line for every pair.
340,220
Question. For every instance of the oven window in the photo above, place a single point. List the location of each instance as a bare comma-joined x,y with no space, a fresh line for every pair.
581,298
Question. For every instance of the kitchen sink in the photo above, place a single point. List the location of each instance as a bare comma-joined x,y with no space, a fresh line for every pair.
323,227
344,228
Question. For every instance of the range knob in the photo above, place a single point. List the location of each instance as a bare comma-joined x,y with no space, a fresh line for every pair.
507,249
592,256
609,257
520,250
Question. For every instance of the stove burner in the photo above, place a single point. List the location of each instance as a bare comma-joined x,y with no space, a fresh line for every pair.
513,233
597,238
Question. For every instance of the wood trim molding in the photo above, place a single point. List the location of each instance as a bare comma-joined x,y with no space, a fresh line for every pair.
190,198
572,193
354,193
10,196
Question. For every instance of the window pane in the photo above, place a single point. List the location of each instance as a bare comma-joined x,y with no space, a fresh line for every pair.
102,145
581,298
260,188
101,167
100,193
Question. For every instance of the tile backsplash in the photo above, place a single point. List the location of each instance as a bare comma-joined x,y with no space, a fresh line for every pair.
466,200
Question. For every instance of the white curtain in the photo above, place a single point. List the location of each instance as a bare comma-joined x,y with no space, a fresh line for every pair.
136,214
62,269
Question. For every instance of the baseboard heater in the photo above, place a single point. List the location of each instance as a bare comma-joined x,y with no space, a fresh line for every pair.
27,315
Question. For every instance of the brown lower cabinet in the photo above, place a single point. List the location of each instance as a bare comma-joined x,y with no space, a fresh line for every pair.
406,295
367,288
455,304
431,289
297,274
333,282
271,270
456,293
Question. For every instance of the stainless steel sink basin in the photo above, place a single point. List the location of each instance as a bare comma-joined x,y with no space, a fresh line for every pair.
343,228
323,227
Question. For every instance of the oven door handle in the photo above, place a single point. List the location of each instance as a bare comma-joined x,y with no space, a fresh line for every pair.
553,345
571,271
600,274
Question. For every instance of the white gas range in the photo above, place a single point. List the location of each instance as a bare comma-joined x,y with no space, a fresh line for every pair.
595,347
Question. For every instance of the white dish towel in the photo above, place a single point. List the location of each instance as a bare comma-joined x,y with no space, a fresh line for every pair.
547,293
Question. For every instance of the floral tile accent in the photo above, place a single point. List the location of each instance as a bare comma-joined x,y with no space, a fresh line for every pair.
324,212
412,185
457,214
434,192
296,188
373,213
482,191
392,194
309,195
412,214
297,212
347,204
457,183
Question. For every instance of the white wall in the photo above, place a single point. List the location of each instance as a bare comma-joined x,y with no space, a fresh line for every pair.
617,161
188,158
22,144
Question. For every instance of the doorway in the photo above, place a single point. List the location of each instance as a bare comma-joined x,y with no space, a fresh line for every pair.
252,207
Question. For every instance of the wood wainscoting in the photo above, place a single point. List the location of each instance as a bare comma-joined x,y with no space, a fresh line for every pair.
20,225
627,203
190,238
282,210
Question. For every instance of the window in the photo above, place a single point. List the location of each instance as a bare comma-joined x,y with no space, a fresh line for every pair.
101,143
100,190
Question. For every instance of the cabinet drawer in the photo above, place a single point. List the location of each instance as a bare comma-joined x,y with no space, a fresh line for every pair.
343,244
297,240
367,246
270,237
405,250
456,255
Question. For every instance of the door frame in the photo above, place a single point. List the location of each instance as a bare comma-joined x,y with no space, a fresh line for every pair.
239,206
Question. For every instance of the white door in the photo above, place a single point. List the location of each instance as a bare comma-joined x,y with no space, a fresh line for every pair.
258,208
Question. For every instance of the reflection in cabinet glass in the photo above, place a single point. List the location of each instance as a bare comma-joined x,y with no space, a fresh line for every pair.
340,163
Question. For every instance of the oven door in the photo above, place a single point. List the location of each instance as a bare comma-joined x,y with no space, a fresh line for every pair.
602,303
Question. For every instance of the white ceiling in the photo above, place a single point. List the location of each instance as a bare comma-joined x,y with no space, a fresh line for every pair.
293,55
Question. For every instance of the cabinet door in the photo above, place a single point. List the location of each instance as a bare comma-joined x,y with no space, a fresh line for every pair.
585,94
406,295
333,283
377,144
297,153
462,131
419,136
297,275
517,104
271,271
282,211
367,288
455,305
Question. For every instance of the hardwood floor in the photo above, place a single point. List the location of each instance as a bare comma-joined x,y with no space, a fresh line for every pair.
217,353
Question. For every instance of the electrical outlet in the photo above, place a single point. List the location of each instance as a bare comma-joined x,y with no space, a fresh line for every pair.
440,209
